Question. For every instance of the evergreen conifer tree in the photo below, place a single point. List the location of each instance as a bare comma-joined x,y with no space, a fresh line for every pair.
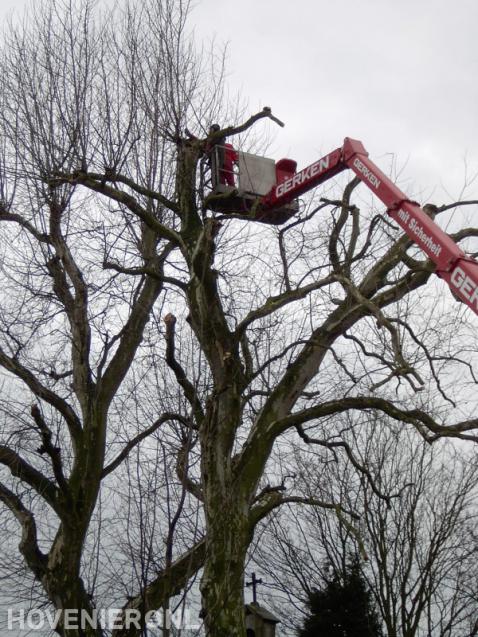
343,608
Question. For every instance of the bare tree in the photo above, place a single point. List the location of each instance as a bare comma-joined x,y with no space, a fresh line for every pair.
121,290
415,535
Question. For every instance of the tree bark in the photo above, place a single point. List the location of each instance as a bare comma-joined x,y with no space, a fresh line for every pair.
222,583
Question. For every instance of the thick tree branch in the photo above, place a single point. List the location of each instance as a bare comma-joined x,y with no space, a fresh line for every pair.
16,218
188,388
457,204
169,582
36,560
236,130
420,419
114,177
464,233
24,471
182,468
346,211
273,500
146,271
32,382
47,447
124,198
131,336
64,269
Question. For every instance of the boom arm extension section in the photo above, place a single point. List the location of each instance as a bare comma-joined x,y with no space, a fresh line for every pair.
452,264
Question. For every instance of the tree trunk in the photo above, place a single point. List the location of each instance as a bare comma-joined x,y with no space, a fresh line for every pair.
222,584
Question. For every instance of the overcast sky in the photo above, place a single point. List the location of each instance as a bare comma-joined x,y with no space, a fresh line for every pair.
400,76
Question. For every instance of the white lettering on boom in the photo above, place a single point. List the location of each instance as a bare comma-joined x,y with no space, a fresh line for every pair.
303,176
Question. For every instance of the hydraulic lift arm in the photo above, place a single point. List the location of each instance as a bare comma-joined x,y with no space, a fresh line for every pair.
452,264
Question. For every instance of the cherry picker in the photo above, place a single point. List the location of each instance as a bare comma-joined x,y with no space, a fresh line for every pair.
268,191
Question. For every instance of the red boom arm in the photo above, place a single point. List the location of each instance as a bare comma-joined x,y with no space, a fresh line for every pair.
452,264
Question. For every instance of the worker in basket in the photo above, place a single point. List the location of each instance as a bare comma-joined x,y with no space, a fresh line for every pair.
222,157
